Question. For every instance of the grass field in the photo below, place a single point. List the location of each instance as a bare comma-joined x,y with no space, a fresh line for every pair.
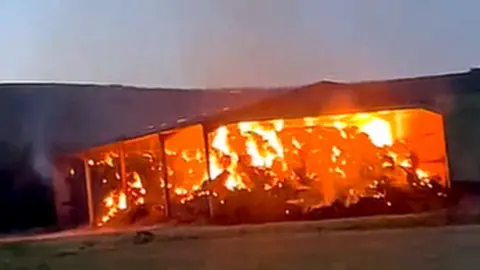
344,244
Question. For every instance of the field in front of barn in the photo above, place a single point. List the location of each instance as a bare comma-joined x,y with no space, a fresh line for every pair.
342,244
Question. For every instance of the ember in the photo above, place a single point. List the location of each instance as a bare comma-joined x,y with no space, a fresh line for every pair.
124,188
283,169
305,166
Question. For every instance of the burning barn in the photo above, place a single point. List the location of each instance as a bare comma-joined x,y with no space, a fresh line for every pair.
320,151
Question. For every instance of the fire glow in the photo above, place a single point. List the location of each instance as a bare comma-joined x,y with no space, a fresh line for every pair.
119,200
265,145
325,160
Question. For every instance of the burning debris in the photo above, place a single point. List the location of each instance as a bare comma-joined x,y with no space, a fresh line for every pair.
282,169
311,168
131,192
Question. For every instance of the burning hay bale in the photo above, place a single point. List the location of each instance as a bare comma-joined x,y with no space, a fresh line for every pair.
126,201
311,168
265,172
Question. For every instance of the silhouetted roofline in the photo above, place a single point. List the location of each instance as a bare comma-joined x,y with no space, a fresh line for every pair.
132,88
108,86
397,80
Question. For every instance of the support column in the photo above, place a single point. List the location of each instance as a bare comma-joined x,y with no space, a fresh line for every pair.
209,173
123,168
88,185
448,173
166,189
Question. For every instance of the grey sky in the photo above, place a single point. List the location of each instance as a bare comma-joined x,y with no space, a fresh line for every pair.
203,43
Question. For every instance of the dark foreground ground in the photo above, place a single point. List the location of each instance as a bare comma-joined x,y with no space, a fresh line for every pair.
416,248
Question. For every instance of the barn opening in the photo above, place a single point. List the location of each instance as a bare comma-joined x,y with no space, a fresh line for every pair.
315,167
391,161
125,182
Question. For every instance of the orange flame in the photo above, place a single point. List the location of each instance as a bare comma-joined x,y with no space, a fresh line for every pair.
264,147
117,201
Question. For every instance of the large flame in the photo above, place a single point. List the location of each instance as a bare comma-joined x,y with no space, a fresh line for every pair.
119,200
270,148
340,157
265,146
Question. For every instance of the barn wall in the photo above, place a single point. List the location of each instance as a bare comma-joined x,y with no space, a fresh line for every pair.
70,193
462,126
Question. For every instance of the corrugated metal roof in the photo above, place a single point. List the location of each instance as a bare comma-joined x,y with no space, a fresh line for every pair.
69,116
337,98
72,116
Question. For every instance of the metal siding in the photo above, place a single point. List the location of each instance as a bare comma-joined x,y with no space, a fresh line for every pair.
463,135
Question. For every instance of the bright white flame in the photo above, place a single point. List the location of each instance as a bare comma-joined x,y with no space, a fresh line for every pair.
379,131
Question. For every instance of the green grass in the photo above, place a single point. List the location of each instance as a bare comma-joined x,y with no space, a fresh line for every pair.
189,247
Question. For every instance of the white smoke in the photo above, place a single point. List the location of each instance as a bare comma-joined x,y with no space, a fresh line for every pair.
39,129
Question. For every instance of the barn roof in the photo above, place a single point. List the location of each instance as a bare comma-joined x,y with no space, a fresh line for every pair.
336,98
73,116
